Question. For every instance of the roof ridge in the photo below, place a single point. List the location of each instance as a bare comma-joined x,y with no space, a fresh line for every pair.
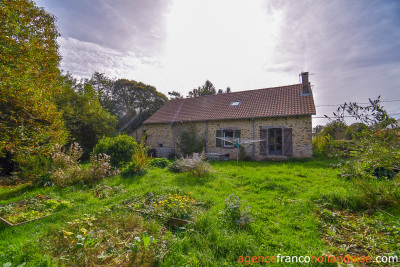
265,102
230,93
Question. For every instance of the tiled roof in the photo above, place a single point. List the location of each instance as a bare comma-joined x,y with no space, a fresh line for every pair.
269,102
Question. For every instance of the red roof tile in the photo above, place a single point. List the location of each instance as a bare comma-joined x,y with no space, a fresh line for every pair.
269,102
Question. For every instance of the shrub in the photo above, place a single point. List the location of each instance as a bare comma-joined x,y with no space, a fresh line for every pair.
64,158
376,154
189,141
320,143
379,193
243,156
235,213
68,171
35,168
99,168
196,166
120,148
160,162
140,160
65,164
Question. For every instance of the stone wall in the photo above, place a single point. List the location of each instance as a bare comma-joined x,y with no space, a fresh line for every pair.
167,135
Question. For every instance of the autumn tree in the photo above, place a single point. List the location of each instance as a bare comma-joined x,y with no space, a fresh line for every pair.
85,119
29,120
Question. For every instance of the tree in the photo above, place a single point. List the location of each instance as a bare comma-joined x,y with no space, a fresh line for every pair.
85,119
131,101
375,152
29,120
175,95
104,88
206,89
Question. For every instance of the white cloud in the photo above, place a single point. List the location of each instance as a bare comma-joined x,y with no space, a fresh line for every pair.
352,47
84,58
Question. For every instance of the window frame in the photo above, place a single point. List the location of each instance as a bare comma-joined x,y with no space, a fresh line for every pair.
224,135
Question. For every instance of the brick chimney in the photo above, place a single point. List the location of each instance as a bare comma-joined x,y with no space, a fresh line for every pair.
306,83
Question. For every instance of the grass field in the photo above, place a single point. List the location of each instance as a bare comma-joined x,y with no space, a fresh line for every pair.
289,205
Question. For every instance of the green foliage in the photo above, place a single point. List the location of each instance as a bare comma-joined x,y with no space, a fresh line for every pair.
33,208
140,160
175,95
84,117
35,167
189,140
207,89
243,156
99,168
29,121
131,101
142,243
375,154
348,233
81,240
235,212
379,194
120,148
320,143
333,140
67,169
160,162
283,197
174,205
197,166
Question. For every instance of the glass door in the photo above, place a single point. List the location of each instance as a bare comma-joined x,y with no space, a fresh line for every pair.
275,141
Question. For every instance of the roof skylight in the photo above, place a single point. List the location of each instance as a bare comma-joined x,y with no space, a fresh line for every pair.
235,103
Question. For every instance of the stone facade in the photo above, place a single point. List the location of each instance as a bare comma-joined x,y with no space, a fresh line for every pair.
167,135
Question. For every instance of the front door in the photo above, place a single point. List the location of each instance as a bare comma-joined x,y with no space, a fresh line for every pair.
275,141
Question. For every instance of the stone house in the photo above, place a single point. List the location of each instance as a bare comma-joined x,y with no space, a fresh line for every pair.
280,116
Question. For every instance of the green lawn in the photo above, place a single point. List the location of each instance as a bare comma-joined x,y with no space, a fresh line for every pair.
284,200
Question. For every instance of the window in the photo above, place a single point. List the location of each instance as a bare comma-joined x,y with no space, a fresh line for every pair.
235,103
226,133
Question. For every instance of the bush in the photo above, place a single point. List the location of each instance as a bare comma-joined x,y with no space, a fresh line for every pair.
235,213
376,154
99,168
120,148
34,168
320,143
140,161
160,162
196,166
68,171
243,156
190,142
379,193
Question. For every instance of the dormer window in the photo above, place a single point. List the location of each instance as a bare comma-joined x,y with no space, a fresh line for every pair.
235,103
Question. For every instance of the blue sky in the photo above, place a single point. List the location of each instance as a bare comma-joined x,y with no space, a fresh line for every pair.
351,47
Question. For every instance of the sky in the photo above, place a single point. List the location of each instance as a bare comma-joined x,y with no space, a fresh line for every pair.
350,48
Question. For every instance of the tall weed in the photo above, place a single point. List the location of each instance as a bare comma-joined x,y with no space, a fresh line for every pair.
197,166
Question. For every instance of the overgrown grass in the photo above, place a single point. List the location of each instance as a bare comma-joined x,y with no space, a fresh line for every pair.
284,200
